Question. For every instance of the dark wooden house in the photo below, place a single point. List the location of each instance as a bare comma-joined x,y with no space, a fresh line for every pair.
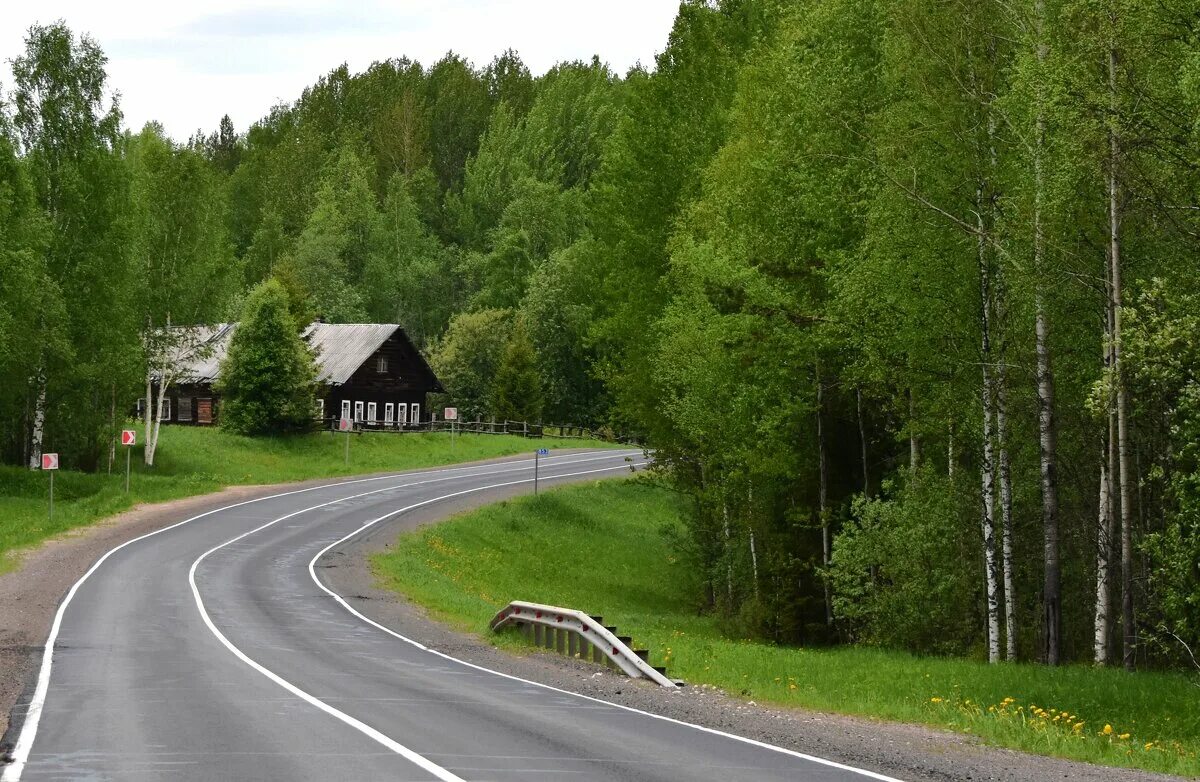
371,372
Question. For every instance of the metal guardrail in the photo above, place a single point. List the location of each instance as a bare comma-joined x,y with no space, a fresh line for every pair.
573,632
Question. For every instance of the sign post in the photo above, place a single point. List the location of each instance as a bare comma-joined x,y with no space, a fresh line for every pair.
50,464
128,439
451,415
538,454
345,425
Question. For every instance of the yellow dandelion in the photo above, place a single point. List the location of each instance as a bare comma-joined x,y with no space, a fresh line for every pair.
1149,745
935,700
1123,736
1107,730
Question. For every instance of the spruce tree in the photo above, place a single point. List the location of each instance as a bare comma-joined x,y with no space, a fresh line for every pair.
268,378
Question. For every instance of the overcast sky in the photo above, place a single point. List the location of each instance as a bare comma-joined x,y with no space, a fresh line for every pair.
186,64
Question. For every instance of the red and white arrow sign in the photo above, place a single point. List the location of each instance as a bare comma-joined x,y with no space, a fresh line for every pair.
345,425
49,461
128,437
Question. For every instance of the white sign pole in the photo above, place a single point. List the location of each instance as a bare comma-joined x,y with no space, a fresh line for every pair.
128,449
52,495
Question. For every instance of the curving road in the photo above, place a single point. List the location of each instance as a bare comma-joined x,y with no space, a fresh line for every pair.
211,650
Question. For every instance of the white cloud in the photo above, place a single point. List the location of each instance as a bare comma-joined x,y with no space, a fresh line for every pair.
187,64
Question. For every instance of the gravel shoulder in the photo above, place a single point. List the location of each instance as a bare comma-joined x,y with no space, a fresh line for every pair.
909,752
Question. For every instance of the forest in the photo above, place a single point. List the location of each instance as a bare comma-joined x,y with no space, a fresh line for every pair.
903,295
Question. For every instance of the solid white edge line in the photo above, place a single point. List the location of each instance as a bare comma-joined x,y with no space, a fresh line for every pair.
753,742
33,712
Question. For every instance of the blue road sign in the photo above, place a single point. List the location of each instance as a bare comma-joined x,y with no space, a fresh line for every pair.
543,451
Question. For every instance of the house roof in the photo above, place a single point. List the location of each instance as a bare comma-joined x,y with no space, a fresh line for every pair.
340,349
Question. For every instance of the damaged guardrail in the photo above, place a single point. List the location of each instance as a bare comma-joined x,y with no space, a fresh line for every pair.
574,633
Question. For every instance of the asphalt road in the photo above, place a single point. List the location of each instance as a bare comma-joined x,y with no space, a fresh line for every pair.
211,650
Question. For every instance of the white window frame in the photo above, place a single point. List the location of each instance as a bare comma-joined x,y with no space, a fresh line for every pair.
381,365
185,402
372,412
166,410
415,413
402,414
358,412
345,408
389,413
320,409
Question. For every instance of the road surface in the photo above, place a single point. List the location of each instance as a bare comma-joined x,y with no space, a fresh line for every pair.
211,650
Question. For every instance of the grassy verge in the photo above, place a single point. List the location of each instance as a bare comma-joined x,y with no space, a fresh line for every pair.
613,538
194,460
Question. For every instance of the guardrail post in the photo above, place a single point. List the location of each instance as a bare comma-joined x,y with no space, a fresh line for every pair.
538,634
560,642
572,644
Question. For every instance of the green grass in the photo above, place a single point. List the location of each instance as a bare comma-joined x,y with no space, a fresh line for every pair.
195,460
604,548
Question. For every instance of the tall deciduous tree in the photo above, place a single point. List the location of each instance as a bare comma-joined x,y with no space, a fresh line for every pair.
68,134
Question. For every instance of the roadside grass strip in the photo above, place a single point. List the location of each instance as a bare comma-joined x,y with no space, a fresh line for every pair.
607,548
196,460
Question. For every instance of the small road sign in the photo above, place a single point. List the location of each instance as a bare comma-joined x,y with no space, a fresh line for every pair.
345,425
49,461
451,413
543,452
128,437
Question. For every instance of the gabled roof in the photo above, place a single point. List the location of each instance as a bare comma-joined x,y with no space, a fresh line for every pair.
340,349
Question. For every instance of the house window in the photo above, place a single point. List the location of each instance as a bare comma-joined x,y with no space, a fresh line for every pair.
166,410
345,408
416,414
320,409
371,409
358,411
185,408
204,411
389,413
381,364
402,411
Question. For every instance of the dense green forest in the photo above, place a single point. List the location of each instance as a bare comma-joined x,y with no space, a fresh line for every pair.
904,294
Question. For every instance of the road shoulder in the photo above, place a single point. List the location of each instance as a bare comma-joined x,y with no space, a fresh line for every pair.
910,752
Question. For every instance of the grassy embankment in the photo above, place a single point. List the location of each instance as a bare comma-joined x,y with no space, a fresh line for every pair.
194,460
619,562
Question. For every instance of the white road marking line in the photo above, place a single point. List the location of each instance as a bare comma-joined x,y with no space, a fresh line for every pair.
360,726
713,731
33,713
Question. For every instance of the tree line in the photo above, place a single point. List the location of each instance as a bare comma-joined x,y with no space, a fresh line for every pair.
902,294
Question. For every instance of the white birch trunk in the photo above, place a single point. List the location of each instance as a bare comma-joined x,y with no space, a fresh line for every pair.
1125,478
147,403
39,423
1006,520
1103,553
155,426
1047,438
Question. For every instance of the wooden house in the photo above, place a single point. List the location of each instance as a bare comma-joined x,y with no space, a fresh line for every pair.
370,372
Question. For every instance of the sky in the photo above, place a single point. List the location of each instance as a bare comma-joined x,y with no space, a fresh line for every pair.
187,64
